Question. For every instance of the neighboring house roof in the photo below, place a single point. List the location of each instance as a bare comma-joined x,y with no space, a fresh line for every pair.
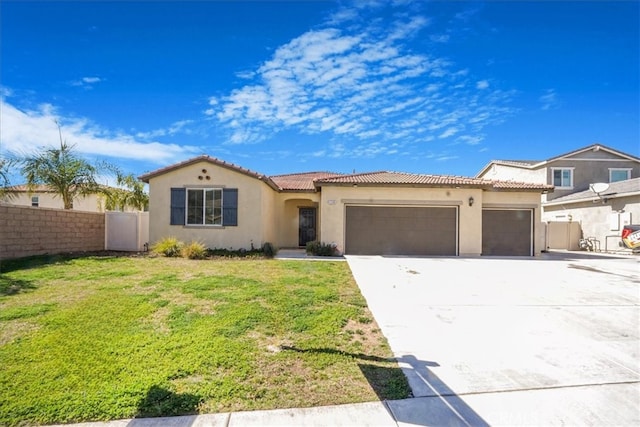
630,187
404,179
534,164
300,181
23,188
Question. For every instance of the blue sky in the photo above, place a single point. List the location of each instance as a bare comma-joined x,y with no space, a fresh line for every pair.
291,86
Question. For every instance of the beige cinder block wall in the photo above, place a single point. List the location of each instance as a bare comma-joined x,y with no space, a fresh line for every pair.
26,231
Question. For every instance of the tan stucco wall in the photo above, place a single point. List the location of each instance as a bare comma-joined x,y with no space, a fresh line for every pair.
334,199
599,219
90,203
288,218
255,208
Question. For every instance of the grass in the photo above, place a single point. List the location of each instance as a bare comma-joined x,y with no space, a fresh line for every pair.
99,338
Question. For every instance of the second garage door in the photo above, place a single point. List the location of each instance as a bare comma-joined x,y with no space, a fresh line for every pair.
507,232
401,230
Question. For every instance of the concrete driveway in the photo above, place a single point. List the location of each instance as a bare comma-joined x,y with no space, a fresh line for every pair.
506,341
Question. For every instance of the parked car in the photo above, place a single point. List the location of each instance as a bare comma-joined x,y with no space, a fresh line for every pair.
631,237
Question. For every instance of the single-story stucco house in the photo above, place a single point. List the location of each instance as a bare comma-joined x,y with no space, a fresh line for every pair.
384,213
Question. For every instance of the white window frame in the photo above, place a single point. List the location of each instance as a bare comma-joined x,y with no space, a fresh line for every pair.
35,201
204,208
627,170
562,187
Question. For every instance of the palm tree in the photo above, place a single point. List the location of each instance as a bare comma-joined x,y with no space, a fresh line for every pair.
62,171
130,195
6,191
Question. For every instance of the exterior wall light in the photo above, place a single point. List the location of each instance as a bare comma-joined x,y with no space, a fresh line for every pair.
471,201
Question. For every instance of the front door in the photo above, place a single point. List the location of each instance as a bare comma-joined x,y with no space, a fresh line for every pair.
307,229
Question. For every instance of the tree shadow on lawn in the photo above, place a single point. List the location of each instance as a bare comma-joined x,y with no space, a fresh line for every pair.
160,402
441,406
387,382
9,286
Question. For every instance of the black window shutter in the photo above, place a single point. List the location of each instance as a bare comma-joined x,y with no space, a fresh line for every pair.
230,206
177,206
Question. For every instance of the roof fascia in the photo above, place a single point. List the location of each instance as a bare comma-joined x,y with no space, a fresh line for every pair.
267,180
592,147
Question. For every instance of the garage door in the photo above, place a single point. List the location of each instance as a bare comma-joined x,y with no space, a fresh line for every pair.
507,232
398,230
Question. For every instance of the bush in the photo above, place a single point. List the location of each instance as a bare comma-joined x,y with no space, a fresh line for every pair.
269,250
321,249
194,250
169,247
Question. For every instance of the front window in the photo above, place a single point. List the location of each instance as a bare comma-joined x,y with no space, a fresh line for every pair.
204,206
563,178
35,201
616,175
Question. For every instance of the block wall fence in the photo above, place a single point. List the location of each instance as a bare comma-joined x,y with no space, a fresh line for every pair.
26,231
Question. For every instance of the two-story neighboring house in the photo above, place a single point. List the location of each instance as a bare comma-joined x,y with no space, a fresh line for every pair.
573,211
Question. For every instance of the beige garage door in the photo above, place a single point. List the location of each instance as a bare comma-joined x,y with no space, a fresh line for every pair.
507,232
398,230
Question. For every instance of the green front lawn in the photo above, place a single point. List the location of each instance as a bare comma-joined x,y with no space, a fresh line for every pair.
102,338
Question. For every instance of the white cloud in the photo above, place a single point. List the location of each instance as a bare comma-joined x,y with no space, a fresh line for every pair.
449,132
361,80
27,131
549,100
176,127
86,82
246,75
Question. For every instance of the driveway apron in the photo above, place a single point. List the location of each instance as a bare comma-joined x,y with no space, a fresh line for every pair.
469,326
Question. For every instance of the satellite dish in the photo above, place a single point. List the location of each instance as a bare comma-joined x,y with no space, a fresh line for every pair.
599,187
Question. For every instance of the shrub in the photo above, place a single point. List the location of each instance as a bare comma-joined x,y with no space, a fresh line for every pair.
194,250
321,249
269,250
169,247
234,253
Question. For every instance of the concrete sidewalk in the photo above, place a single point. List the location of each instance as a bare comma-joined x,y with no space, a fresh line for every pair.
590,405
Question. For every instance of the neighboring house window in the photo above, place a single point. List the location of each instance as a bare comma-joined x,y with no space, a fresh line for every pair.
616,175
562,178
204,206
35,201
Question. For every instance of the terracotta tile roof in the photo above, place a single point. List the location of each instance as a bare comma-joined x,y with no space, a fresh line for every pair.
204,158
515,185
310,181
300,181
402,178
